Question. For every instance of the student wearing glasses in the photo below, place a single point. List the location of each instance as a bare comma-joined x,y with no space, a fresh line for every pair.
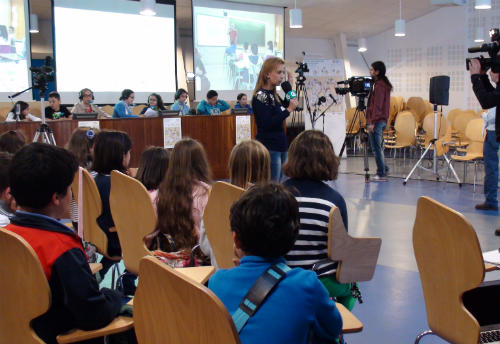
85,105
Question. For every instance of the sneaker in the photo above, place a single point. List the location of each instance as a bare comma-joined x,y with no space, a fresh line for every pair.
484,206
378,178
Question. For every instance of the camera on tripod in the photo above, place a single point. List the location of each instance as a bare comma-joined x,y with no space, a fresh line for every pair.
43,74
492,49
301,69
358,86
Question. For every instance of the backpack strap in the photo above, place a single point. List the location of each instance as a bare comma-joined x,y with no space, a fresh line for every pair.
258,294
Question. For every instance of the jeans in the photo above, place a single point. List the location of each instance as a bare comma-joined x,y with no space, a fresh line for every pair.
277,159
490,154
377,148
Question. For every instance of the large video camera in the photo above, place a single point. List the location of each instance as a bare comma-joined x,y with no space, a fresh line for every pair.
492,49
301,69
358,86
43,74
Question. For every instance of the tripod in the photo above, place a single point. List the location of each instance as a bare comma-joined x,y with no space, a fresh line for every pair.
432,144
44,130
360,108
300,86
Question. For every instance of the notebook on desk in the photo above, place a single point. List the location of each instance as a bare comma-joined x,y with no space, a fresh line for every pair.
475,300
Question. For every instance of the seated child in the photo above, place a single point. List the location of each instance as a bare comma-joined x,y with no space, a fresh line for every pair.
242,102
7,203
153,166
265,223
40,180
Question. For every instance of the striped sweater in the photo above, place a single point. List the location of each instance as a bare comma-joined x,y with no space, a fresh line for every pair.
315,200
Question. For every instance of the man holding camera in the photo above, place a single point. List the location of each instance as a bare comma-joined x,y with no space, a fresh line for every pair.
489,98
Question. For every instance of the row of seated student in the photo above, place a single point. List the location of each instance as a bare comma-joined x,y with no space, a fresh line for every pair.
265,213
123,109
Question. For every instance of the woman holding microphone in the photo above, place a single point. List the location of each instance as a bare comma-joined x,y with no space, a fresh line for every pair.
270,113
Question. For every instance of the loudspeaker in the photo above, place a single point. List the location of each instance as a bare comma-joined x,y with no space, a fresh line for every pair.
439,90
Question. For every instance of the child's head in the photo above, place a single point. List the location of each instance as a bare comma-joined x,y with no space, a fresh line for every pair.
311,156
54,100
40,178
154,100
5,160
11,141
111,151
81,144
212,97
249,162
188,161
23,108
242,99
265,221
152,167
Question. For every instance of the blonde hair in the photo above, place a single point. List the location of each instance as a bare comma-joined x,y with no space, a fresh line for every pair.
268,66
249,162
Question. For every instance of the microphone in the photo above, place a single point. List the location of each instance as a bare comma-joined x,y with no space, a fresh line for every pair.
321,100
333,98
287,88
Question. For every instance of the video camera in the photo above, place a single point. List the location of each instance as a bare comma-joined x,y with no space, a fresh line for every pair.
43,74
301,69
358,86
492,49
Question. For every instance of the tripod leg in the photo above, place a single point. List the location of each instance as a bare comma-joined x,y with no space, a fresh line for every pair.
417,164
452,169
37,136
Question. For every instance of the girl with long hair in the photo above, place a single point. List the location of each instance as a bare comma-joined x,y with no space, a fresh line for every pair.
269,113
377,113
182,198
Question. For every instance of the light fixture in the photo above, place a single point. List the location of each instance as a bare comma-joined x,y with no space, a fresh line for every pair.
399,24
295,17
483,4
478,37
33,23
148,7
190,76
362,45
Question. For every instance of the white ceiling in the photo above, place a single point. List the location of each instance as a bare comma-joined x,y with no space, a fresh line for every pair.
321,18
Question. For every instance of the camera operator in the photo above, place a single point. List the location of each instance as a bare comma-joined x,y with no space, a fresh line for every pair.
489,98
377,113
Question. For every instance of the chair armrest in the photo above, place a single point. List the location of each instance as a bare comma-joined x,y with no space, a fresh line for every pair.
118,325
350,323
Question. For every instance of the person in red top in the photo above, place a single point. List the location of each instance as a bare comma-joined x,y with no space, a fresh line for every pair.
377,113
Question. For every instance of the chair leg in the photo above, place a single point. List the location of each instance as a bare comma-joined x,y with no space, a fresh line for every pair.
417,340
115,270
475,174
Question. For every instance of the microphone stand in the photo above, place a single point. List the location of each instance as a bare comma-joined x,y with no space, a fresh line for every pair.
15,95
314,118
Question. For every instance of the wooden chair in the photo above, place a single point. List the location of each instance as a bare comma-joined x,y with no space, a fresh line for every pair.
405,127
474,151
26,295
357,257
460,125
138,108
216,220
417,106
108,109
450,263
171,308
92,209
428,126
134,218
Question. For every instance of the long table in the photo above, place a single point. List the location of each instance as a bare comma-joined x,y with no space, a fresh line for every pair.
216,133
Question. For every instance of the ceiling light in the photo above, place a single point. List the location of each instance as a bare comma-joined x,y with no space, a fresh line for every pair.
399,24
148,7
362,45
33,23
483,4
295,17
478,37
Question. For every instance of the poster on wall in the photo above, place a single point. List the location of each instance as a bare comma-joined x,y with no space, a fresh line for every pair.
172,132
89,124
243,128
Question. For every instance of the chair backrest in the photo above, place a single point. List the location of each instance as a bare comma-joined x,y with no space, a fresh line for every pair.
428,126
474,133
452,115
357,257
171,308
461,122
92,209
138,108
405,127
450,263
393,110
25,292
109,109
417,106
216,220
134,217
74,185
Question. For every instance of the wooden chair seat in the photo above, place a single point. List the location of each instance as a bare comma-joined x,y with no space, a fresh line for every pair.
357,257
95,267
118,325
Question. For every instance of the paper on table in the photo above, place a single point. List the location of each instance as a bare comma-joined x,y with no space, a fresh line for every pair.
492,257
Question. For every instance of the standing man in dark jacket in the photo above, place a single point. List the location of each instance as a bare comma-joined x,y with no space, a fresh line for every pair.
377,113
40,180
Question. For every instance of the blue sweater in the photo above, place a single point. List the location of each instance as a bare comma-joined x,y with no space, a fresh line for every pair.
178,106
206,109
315,199
122,110
269,115
298,304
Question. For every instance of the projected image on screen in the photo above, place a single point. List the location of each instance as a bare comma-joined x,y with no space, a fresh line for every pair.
13,46
108,46
231,45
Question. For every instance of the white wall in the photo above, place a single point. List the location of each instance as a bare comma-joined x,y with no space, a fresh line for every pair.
435,44
358,65
313,47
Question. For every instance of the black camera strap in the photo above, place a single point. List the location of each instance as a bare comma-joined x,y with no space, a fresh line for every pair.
258,294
